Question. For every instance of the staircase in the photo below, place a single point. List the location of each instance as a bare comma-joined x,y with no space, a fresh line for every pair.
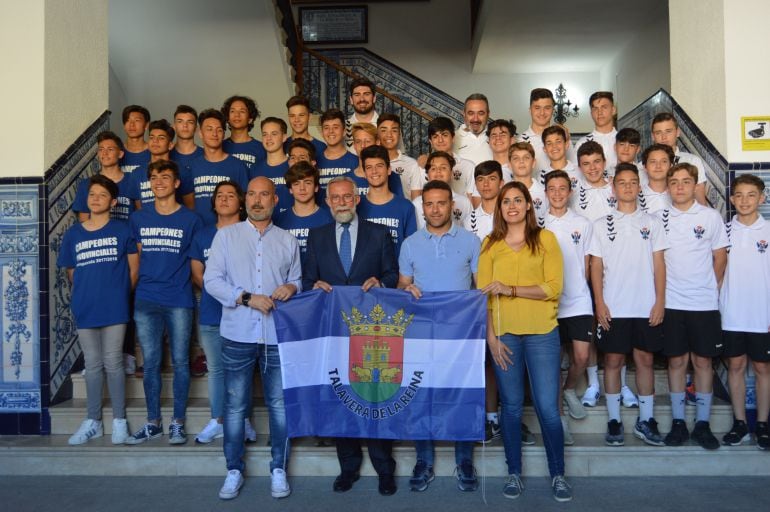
50,455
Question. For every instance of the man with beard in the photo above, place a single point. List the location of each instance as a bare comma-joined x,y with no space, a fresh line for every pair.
253,264
353,252
362,99
471,141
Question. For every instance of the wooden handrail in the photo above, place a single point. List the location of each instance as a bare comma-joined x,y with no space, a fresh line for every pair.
378,90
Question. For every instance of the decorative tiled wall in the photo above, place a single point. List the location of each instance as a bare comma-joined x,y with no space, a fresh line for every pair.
39,343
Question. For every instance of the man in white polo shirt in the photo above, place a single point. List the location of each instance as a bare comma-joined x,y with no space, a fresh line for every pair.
603,113
471,141
628,279
695,266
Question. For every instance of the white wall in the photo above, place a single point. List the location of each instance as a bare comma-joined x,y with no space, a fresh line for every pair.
76,72
22,61
698,63
198,52
640,68
747,73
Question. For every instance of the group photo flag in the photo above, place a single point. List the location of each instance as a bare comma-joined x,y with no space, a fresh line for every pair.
382,364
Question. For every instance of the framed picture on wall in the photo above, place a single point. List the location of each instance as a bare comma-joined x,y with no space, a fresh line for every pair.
337,24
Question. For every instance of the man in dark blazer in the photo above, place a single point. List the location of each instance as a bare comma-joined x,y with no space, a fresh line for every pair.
353,252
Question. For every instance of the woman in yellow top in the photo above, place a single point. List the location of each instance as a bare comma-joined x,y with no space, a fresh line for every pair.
520,270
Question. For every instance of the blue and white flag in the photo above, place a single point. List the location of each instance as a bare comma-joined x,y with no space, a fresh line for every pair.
382,364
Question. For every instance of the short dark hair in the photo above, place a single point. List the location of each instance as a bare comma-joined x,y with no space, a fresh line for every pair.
375,152
476,96
748,179
540,93
300,171
130,109
388,116
625,167
108,135
554,129
441,124
663,117
331,114
163,165
298,100
488,167
211,113
589,148
658,147
251,106
598,95
104,181
361,82
436,185
304,144
554,175
238,192
629,135
276,120
162,124
186,109
440,154
501,123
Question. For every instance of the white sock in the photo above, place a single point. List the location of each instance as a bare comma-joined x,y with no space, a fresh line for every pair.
593,376
645,407
623,376
677,405
703,406
613,406
492,416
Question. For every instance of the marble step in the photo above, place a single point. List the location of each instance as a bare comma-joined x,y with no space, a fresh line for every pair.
67,416
199,386
50,455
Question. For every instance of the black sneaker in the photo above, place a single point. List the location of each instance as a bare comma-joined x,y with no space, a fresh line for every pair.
738,435
492,431
466,477
762,431
614,436
422,476
702,435
647,431
527,437
678,435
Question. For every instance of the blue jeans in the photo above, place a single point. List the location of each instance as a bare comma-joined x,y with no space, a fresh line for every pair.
151,320
463,452
238,360
540,353
212,341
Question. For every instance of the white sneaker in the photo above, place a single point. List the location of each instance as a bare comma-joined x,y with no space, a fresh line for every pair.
129,364
119,430
212,430
590,396
279,486
576,409
568,440
232,485
249,434
628,397
88,430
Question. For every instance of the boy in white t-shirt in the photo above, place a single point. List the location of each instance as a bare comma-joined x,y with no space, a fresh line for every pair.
522,157
628,276
657,160
594,196
501,134
489,181
439,166
555,145
744,303
441,133
389,137
603,113
695,266
575,314
665,130
541,104
626,149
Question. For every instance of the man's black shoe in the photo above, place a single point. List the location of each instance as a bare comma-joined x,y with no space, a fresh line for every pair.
387,485
344,482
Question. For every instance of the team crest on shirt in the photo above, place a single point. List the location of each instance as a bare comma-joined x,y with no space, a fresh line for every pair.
762,246
537,203
457,214
576,236
457,174
399,170
645,232
574,182
699,231
611,201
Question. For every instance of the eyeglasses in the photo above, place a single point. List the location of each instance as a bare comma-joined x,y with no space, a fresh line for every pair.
345,198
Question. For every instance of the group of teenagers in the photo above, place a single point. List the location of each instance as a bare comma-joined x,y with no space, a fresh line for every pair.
582,251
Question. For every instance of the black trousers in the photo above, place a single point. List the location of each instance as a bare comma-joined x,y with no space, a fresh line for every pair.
350,455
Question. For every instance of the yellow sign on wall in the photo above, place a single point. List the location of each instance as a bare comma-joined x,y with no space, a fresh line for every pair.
755,133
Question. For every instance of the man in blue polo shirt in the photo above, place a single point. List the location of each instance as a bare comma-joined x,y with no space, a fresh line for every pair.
440,257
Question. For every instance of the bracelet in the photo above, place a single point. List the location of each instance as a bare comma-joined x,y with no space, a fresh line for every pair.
513,291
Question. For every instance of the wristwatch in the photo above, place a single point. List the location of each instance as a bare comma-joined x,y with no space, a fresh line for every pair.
245,298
